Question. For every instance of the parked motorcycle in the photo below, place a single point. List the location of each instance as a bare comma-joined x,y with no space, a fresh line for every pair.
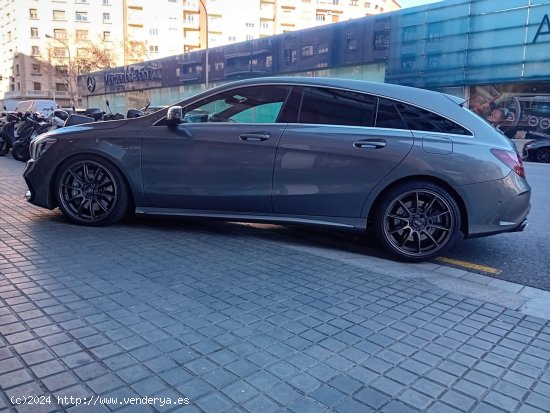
30,126
7,133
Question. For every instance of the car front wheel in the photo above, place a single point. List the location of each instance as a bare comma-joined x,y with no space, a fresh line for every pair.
91,191
542,155
417,221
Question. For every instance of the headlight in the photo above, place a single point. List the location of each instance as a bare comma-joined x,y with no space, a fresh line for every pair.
41,145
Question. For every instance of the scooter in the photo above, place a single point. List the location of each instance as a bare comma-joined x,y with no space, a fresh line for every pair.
28,129
8,135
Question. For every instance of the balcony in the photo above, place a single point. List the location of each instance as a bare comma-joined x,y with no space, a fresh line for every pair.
191,5
267,13
192,41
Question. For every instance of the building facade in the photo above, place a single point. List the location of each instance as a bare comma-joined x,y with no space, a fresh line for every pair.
495,54
46,43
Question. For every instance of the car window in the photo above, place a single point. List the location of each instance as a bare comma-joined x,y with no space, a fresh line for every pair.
423,120
257,104
388,116
326,106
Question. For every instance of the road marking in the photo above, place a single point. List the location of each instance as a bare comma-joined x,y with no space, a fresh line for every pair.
469,265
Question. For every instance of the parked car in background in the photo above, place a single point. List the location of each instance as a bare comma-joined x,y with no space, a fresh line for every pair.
413,165
537,151
43,106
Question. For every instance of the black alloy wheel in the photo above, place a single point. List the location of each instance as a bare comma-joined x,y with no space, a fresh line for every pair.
91,191
542,155
416,221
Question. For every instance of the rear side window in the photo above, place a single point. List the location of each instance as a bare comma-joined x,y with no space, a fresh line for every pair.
336,107
423,120
388,116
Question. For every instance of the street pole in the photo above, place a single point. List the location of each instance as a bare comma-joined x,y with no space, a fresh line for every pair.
206,57
69,83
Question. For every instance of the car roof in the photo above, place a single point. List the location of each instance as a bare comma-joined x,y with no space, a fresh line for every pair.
389,90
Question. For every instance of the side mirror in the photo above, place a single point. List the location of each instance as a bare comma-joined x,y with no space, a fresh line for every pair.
174,116
134,113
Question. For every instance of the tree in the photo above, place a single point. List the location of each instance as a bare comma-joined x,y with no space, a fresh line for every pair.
90,56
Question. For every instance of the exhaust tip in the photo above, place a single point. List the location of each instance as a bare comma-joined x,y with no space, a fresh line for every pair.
523,226
28,195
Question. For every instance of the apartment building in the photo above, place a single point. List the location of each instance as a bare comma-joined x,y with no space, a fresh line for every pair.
46,43
240,20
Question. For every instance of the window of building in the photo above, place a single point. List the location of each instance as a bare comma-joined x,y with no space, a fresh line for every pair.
353,2
381,40
35,69
33,14
81,1
337,107
106,36
61,87
106,18
153,31
82,52
34,32
35,51
60,33
16,71
153,48
8,35
81,16
249,37
320,17
307,50
62,70
59,14
231,38
106,2
82,34
248,24
37,86
60,52
18,86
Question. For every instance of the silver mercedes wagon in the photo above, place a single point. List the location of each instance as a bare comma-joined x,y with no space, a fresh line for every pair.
414,166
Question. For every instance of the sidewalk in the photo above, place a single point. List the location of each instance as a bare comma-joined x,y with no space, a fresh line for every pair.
231,318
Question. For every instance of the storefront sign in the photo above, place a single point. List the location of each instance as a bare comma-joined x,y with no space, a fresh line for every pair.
544,28
132,74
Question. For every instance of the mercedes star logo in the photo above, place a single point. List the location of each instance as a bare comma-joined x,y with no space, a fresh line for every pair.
90,84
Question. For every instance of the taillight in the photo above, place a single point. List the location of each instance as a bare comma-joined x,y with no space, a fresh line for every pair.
510,159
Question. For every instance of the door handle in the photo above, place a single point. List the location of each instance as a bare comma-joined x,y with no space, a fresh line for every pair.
370,144
254,136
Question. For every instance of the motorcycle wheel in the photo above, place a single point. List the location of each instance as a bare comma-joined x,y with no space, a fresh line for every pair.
20,152
4,147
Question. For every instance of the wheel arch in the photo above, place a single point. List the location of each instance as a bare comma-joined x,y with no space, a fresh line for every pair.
108,159
438,181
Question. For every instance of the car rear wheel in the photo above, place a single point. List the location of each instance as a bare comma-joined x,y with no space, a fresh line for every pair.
417,221
91,191
542,155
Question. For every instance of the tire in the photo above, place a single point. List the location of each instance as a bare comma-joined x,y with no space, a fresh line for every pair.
91,191
4,146
542,155
416,221
20,151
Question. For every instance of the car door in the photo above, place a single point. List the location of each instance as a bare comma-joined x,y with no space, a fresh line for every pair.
329,161
221,158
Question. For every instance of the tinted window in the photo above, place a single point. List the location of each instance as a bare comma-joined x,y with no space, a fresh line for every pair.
420,119
336,107
257,104
388,116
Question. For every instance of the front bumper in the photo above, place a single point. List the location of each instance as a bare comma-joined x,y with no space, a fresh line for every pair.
38,180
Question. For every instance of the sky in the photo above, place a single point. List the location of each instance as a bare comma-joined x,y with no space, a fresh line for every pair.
411,3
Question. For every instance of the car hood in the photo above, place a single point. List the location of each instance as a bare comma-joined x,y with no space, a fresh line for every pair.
101,125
